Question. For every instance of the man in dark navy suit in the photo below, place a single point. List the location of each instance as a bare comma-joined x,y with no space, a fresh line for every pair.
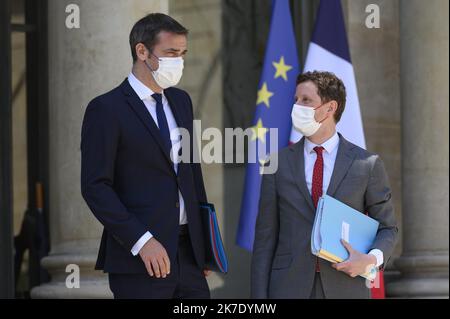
152,244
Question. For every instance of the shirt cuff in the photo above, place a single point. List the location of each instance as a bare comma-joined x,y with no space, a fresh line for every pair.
378,255
140,243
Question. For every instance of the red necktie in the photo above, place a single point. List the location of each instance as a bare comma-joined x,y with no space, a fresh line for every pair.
317,180
317,183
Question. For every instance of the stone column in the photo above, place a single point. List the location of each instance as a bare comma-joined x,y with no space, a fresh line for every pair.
83,62
376,60
425,150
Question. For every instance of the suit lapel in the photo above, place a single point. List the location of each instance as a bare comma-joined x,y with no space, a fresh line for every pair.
174,107
344,160
297,164
141,111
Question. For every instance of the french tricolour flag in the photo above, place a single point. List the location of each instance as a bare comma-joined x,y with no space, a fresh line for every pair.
329,51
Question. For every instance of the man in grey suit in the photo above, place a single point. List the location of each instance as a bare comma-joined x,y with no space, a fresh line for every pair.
322,162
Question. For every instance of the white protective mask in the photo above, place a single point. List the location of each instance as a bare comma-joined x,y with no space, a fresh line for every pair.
169,71
303,119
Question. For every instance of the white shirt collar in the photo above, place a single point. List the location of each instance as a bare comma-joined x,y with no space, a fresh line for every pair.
329,145
143,91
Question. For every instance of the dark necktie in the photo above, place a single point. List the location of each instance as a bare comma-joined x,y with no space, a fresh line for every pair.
162,121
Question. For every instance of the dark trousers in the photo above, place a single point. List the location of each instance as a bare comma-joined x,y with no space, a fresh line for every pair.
317,291
185,281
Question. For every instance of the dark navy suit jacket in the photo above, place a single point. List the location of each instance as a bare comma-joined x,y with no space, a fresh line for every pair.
128,179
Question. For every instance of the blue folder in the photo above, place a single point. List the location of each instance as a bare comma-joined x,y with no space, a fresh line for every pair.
216,259
335,221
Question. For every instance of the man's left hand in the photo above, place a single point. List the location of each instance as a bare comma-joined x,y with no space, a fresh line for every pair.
357,263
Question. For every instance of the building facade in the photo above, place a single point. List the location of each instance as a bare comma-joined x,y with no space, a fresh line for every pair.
402,77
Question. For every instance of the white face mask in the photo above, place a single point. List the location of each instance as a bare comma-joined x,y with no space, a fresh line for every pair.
169,71
303,119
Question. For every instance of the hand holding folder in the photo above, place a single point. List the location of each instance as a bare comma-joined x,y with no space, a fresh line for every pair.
335,221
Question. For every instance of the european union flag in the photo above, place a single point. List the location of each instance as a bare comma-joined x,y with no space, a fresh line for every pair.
273,110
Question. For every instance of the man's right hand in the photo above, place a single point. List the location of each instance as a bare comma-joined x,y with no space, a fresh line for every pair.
155,258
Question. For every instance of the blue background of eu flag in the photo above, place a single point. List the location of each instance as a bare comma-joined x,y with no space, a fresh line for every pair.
276,92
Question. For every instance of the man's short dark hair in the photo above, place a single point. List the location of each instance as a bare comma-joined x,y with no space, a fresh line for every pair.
329,88
147,29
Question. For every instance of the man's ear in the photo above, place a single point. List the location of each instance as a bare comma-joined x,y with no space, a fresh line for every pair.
333,106
141,52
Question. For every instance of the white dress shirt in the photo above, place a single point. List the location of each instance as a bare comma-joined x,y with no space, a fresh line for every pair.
145,94
329,154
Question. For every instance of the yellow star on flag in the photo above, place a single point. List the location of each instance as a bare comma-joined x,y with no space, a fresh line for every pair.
264,95
281,69
259,131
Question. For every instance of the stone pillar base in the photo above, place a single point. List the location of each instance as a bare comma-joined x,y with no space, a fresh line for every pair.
92,283
87,290
423,276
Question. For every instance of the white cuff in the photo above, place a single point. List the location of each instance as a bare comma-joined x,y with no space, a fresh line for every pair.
140,243
378,255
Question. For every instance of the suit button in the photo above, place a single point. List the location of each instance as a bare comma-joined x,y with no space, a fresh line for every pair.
177,204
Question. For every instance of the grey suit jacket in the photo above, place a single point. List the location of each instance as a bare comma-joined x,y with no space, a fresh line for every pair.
282,264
